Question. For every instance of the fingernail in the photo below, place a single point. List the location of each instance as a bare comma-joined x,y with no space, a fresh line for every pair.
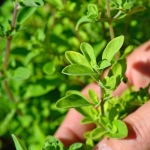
102,147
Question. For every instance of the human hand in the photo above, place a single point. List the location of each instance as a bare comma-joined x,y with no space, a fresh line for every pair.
138,123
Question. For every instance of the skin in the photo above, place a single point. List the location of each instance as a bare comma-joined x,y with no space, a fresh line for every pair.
138,123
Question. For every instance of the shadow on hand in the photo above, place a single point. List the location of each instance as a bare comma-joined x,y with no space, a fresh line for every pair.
142,67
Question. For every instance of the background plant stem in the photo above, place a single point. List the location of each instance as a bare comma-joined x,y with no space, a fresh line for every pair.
7,52
9,38
111,30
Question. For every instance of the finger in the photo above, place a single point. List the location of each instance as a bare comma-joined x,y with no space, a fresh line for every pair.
139,132
138,69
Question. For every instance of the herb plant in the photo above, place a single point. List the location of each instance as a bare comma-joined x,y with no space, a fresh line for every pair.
21,74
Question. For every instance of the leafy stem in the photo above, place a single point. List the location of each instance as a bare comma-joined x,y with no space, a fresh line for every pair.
111,30
9,38
7,52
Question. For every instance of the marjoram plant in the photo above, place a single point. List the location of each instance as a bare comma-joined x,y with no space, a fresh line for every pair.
105,111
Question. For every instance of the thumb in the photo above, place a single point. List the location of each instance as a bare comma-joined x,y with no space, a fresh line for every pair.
139,132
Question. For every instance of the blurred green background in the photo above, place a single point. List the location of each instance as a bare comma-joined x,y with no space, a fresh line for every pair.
39,48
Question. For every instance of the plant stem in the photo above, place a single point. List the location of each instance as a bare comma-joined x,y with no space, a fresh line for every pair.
9,38
7,52
8,91
111,30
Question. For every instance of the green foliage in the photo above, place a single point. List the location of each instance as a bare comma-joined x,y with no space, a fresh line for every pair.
32,82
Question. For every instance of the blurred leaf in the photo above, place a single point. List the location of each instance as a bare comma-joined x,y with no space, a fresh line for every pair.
82,21
49,68
35,90
136,9
25,13
78,70
32,3
18,144
52,143
21,73
112,48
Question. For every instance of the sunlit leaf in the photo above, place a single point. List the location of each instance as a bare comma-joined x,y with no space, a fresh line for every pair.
93,96
122,130
104,64
76,58
78,70
88,52
72,101
112,48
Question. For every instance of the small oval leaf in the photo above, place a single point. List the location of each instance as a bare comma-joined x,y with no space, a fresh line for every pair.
72,101
49,68
78,70
112,48
76,58
88,52
122,130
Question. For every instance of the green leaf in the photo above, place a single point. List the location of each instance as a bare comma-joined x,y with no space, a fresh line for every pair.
88,52
32,3
82,21
18,144
97,133
93,96
77,58
35,90
86,120
136,9
75,146
21,73
49,68
110,82
78,70
72,101
25,13
118,70
103,64
122,130
127,51
112,48
104,121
